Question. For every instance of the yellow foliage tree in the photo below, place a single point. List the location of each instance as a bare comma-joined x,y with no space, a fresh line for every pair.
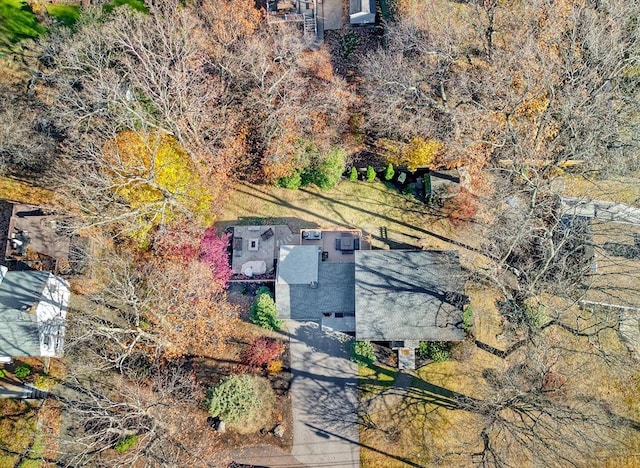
155,177
418,152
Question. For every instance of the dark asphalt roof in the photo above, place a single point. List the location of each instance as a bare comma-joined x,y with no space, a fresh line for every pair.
334,293
19,334
408,295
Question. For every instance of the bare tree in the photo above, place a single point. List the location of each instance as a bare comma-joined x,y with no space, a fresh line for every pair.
26,143
524,82
154,408
534,413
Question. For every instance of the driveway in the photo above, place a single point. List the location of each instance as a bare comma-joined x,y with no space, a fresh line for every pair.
324,398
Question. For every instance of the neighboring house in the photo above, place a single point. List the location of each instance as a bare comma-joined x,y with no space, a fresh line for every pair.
600,210
604,239
33,310
362,11
318,16
397,296
306,13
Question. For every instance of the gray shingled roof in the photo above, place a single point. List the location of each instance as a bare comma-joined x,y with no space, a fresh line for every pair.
298,264
334,293
408,295
19,290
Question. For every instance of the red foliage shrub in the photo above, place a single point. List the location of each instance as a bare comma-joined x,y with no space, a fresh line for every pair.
262,351
186,244
462,208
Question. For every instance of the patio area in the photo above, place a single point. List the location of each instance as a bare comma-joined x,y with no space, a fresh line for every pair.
254,246
337,246
32,228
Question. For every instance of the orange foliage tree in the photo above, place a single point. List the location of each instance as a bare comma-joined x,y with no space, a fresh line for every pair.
154,305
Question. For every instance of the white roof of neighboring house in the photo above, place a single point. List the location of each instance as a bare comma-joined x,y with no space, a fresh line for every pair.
33,310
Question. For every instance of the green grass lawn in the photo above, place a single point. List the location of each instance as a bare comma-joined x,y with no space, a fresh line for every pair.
137,5
66,14
17,22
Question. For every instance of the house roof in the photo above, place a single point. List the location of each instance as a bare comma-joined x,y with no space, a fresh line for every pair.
601,210
32,306
334,292
298,264
408,295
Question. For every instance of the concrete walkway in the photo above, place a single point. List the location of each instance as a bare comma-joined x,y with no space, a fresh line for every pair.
18,390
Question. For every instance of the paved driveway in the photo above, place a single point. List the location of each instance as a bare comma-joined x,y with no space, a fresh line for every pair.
324,396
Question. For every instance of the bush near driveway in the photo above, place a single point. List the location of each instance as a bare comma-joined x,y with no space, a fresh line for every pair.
241,400
263,311
262,351
362,352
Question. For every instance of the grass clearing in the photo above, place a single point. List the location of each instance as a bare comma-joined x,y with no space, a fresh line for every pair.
17,22
421,427
137,5
17,191
66,14
620,190
486,317
367,206
418,428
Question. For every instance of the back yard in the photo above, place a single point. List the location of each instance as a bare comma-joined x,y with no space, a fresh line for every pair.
393,220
